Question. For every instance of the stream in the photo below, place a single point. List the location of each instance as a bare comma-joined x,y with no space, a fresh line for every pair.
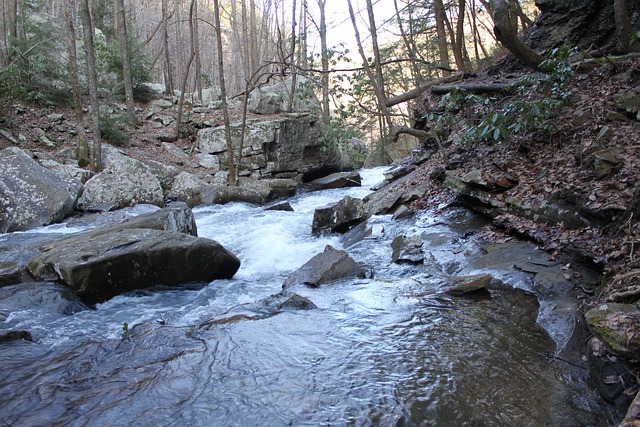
383,351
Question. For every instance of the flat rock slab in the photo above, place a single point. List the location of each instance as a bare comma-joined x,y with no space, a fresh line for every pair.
336,180
460,285
109,264
328,266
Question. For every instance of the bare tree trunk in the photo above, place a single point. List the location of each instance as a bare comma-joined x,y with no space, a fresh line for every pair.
196,48
233,174
183,88
294,75
177,35
83,148
123,38
376,79
87,29
623,28
246,49
459,48
324,58
302,50
443,49
506,31
165,47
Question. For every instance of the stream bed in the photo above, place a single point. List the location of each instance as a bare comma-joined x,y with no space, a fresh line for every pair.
389,350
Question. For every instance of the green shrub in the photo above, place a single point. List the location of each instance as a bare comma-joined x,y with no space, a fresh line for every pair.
112,129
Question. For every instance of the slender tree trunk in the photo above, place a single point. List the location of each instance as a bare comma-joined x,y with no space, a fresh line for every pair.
177,35
165,47
123,39
459,49
302,50
83,148
292,55
254,50
246,48
196,48
185,78
87,29
443,49
233,174
375,79
324,58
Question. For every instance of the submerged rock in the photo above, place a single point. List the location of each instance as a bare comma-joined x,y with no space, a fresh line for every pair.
125,260
328,266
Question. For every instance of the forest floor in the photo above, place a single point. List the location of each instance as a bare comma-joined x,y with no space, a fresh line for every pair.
558,163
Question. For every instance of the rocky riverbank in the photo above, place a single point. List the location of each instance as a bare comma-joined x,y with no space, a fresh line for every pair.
573,191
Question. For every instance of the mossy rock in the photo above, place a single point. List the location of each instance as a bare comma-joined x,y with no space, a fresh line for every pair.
618,326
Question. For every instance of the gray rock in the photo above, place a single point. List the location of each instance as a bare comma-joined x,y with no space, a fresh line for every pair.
31,195
284,147
177,153
67,171
283,206
407,249
328,266
459,285
165,136
188,188
281,187
265,102
395,194
162,103
336,180
338,217
208,161
124,181
163,172
275,98
226,194
116,262
628,101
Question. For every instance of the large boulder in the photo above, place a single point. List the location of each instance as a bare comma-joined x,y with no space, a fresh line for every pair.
403,190
188,188
338,217
283,147
17,248
329,266
336,180
124,181
31,195
275,98
112,263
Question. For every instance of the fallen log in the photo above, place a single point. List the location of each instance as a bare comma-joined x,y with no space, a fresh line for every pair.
472,87
414,93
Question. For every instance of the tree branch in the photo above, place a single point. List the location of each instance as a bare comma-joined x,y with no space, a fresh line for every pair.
414,93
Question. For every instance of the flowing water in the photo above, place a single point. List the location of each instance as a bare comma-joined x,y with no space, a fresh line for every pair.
383,351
